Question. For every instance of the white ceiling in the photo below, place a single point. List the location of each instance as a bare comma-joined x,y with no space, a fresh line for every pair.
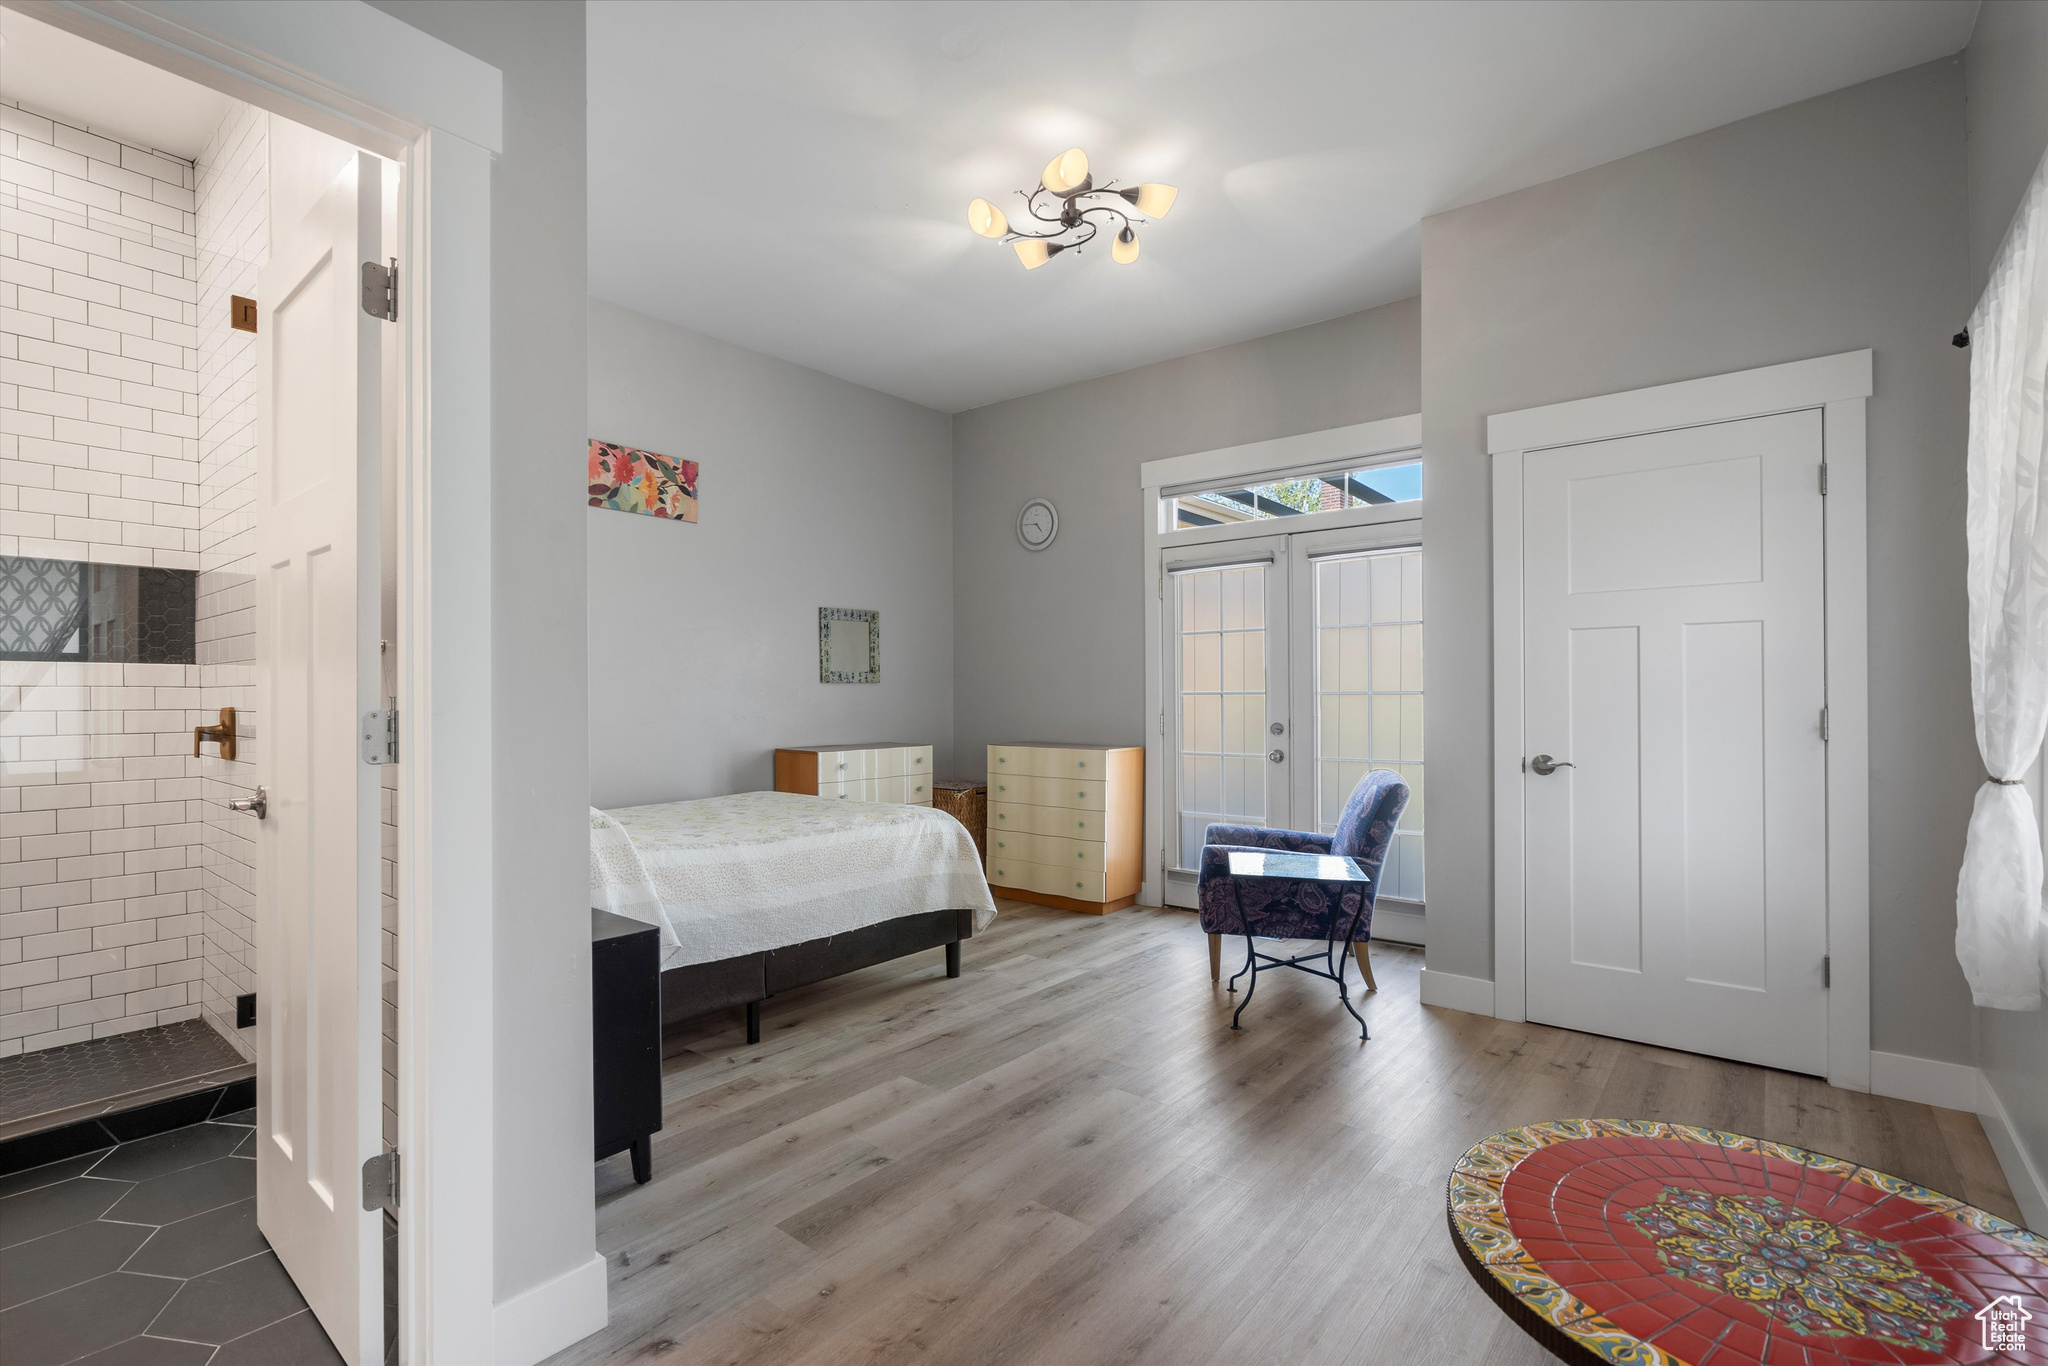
103,91
794,177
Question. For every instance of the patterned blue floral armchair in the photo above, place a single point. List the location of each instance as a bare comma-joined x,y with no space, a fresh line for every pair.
1301,910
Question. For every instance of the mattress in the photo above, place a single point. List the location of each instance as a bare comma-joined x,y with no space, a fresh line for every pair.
726,876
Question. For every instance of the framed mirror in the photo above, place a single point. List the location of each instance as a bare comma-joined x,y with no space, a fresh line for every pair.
849,645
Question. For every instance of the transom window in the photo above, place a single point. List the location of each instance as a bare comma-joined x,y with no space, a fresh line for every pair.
1297,496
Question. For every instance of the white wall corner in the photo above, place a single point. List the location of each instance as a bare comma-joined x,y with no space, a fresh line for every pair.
2023,1170
1951,1085
1473,995
535,1324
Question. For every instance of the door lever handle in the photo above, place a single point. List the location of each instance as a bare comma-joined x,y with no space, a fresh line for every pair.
257,806
1543,765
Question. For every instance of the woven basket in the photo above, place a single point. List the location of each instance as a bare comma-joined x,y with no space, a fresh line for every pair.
966,801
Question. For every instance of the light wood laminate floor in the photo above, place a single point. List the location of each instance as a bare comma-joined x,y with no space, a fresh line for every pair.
1067,1156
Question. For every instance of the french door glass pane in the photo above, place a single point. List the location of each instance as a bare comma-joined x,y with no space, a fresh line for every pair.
1368,613
1220,622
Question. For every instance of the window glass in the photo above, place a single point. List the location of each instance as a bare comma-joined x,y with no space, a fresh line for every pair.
1301,497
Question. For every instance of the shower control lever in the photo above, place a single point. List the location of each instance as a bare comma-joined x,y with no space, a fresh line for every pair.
224,734
256,806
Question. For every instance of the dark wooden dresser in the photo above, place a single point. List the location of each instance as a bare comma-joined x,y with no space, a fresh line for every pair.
625,1000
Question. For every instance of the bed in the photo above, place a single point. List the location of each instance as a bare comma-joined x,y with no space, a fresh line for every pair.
764,892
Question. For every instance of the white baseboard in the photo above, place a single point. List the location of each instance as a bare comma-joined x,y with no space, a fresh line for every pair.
2022,1172
535,1324
1955,1086
1397,925
1951,1085
1473,995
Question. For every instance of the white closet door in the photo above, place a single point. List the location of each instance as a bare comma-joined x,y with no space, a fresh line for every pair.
1676,879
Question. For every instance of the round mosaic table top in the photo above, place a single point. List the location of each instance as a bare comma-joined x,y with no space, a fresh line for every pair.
1619,1240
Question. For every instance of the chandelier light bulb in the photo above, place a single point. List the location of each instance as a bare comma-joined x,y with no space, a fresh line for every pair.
986,219
1066,172
1034,252
1154,200
1125,249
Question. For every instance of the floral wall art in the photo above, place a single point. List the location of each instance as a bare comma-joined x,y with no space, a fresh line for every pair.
632,480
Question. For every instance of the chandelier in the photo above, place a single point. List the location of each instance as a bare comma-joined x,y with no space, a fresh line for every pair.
1066,203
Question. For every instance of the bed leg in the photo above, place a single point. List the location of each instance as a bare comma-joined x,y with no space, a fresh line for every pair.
953,959
753,1022
643,1159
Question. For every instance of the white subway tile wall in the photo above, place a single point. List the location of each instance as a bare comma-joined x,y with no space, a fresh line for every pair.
234,242
128,435
100,799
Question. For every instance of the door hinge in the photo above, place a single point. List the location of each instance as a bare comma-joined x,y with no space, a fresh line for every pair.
380,1181
1823,478
380,290
380,735
1823,725
1827,971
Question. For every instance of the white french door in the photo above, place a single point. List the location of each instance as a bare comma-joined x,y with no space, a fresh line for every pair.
318,1060
1675,769
1226,617
1293,665
1359,682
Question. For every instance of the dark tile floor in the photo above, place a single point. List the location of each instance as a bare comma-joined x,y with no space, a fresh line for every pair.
100,1071
147,1254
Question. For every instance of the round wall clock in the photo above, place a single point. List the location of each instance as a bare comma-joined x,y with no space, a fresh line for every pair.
1037,524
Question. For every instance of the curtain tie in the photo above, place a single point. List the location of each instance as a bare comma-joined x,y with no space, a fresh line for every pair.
2006,782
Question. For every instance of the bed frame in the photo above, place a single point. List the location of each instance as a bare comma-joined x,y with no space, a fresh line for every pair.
751,978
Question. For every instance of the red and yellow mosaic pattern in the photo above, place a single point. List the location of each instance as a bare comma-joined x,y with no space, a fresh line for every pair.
1634,1241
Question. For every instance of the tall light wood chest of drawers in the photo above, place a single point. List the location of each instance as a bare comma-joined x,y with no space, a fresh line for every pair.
1065,823
894,771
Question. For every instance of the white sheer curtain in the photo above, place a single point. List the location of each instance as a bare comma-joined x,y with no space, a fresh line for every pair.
1999,930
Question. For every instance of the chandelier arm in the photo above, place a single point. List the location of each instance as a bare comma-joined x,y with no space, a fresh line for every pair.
1126,219
1031,204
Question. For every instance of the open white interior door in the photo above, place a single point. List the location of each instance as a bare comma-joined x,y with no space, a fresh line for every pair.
318,1064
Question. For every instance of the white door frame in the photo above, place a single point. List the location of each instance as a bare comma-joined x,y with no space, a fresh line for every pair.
356,73
1839,385
1310,451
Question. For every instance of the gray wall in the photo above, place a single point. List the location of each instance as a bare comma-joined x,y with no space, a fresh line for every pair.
1826,226
544,1211
813,493
2006,75
1051,644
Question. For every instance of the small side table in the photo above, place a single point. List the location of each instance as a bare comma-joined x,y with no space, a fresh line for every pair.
625,1009
1338,874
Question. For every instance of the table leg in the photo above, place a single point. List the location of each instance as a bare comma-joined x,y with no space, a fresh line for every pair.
643,1159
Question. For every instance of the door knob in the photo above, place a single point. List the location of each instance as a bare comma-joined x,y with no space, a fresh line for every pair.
256,806
1278,756
1543,765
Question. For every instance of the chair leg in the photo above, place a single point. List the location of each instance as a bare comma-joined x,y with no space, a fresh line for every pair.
1364,964
1215,957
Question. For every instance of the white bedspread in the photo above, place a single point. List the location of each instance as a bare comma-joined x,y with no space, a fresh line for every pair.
763,870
